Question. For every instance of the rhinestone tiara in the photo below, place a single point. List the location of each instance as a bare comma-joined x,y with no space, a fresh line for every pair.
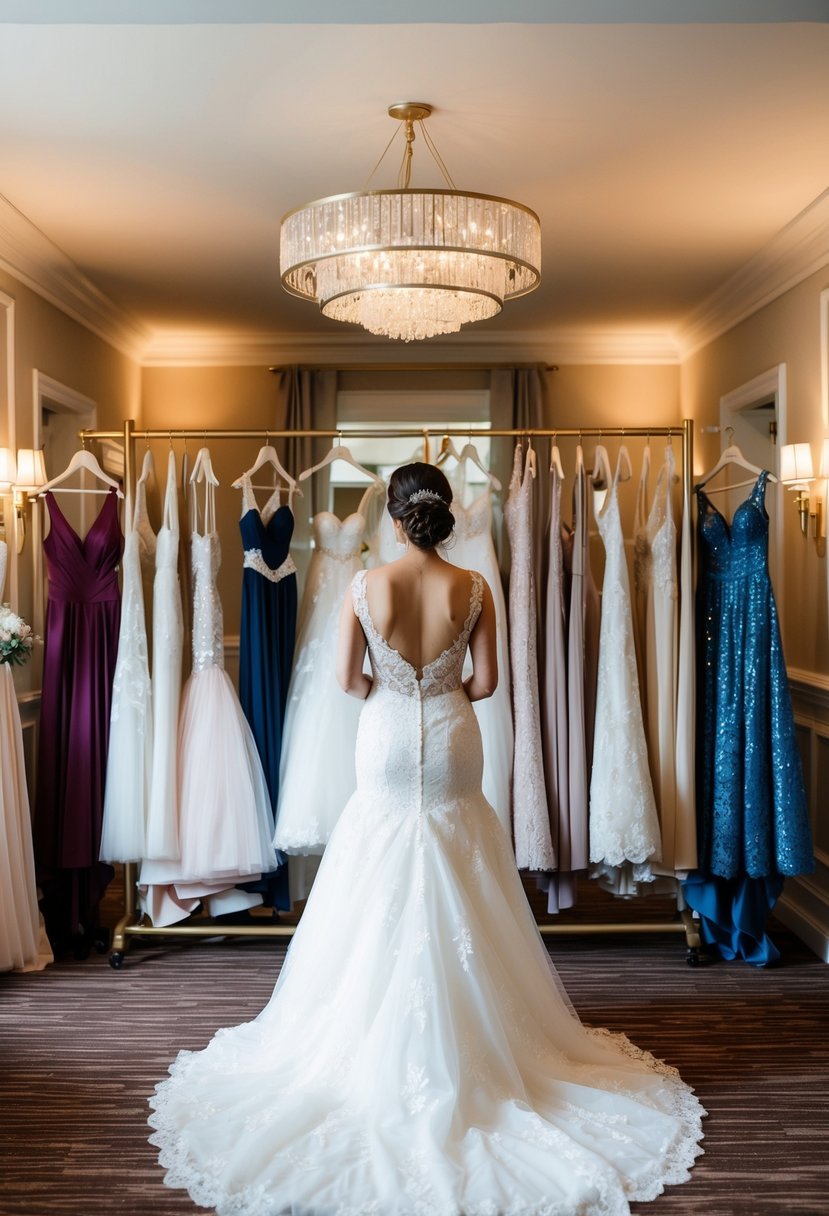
426,496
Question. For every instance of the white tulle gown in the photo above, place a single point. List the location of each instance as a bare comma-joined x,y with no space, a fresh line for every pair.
473,548
417,1057
224,823
320,718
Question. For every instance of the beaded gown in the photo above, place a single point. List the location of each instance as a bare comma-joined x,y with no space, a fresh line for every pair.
753,822
417,1057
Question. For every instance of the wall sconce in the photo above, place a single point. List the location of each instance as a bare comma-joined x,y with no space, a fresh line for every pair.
20,477
797,473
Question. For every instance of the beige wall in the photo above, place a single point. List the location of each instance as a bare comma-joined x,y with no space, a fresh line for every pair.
785,331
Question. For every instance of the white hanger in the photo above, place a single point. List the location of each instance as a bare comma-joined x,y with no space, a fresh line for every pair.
267,455
147,466
601,460
203,468
532,459
83,459
555,461
732,455
623,462
470,452
340,452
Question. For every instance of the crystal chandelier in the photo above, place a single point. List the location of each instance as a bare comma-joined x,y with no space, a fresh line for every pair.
410,263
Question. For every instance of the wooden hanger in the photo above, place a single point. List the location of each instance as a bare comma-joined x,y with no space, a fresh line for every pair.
732,455
82,460
340,452
448,451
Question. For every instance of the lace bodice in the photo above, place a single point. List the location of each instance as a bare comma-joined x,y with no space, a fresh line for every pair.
205,559
392,671
474,520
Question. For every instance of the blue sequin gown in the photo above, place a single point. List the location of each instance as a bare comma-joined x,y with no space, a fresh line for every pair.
266,645
753,821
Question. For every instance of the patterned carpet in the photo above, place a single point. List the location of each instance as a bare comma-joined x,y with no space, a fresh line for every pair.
81,1046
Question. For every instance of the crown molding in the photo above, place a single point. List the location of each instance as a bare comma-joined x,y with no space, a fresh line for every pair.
179,348
37,262
797,251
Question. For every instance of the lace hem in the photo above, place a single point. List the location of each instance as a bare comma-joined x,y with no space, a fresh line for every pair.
255,561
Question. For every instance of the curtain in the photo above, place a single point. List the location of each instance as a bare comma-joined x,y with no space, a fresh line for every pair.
306,400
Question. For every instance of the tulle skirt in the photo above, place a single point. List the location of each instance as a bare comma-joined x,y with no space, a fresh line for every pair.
417,1057
224,825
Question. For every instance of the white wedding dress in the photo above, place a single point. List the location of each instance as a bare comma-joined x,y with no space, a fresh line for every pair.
224,817
319,714
624,826
473,548
417,1057
130,750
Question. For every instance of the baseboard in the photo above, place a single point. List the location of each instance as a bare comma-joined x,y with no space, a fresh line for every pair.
803,923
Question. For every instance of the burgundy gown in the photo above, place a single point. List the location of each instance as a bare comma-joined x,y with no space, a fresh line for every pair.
80,645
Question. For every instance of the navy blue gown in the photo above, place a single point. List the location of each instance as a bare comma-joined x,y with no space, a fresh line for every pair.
752,814
266,648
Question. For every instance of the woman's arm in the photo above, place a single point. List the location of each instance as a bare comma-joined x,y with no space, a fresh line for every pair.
482,647
351,653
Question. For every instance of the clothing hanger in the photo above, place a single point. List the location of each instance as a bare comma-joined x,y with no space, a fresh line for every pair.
340,452
732,455
82,460
601,460
267,455
470,452
147,466
555,459
532,459
203,468
447,451
624,468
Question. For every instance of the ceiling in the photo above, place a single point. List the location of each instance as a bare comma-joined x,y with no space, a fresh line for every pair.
149,159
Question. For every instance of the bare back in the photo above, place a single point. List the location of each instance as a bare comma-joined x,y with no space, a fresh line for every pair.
419,610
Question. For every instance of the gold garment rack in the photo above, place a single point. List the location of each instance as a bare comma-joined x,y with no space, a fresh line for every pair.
131,925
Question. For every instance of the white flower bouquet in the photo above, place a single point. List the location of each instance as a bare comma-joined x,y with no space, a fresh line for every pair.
16,637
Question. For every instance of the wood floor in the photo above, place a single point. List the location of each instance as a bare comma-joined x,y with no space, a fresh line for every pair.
81,1047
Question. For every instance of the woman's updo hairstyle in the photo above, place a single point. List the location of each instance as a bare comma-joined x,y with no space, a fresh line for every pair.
419,497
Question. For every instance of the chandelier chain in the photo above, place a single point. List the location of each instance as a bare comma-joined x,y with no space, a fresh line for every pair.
436,156
382,158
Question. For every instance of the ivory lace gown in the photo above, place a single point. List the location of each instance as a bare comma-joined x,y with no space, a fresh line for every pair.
624,827
417,1057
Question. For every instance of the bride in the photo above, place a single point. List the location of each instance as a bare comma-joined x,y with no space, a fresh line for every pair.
418,1056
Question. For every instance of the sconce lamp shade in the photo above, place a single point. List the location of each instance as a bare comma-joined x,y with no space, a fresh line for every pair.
31,471
824,458
796,464
8,470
